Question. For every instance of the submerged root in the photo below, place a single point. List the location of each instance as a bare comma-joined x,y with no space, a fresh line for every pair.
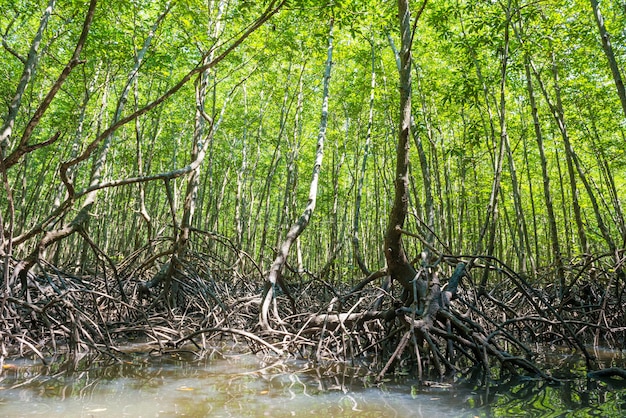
458,332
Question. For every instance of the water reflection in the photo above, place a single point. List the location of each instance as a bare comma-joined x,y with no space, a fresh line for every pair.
574,395
221,385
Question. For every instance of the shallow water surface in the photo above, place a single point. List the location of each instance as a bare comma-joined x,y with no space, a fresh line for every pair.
224,385
246,385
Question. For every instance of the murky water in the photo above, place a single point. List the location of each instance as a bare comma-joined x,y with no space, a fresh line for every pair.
245,385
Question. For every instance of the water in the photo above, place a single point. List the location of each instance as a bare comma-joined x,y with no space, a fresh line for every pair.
246,385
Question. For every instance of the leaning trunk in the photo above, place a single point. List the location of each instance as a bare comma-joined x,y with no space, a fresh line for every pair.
398,264
296,229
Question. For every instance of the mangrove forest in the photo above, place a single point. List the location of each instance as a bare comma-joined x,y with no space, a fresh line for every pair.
430,189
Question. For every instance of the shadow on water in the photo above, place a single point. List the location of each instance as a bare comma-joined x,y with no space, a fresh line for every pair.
181,384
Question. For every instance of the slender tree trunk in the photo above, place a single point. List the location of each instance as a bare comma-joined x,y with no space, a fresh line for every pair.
100,161
250,188
524,257
201,139
336,237
198,151
296,229
429,203
569,235
284,213
559,117
463,207
356,247
610,56
398,264
531,194
30,65
604,230
607,173
491,219
429,206
574,166
240,203
488,228
265,197
141,197
295,146
61,192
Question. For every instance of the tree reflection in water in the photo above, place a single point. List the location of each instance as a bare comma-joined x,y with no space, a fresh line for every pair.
218,384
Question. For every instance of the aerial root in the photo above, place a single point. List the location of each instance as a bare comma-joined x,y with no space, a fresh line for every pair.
210,303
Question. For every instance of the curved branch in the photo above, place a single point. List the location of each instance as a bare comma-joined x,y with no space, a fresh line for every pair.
272,9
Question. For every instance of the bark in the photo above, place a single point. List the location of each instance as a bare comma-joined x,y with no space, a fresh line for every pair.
273,7
398,264
575,167
299,226
424,166
491,218
356,246
30,66
607,173
610,56
96,176
547,194
559,117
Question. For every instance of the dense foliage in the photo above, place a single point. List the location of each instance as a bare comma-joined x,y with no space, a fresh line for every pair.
264,133
204,117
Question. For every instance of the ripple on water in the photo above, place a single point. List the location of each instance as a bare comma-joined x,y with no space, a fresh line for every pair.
238,386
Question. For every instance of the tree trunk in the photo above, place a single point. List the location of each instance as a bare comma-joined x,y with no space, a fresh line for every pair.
554,234
531,195
429,202
398,264
565,209
491,219
296,229
574,166
30,65
429,207
609,178
525,254
559,117
356,246
288,204
610,56
140,208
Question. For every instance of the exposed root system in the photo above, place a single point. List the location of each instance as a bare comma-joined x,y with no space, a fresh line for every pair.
461,330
